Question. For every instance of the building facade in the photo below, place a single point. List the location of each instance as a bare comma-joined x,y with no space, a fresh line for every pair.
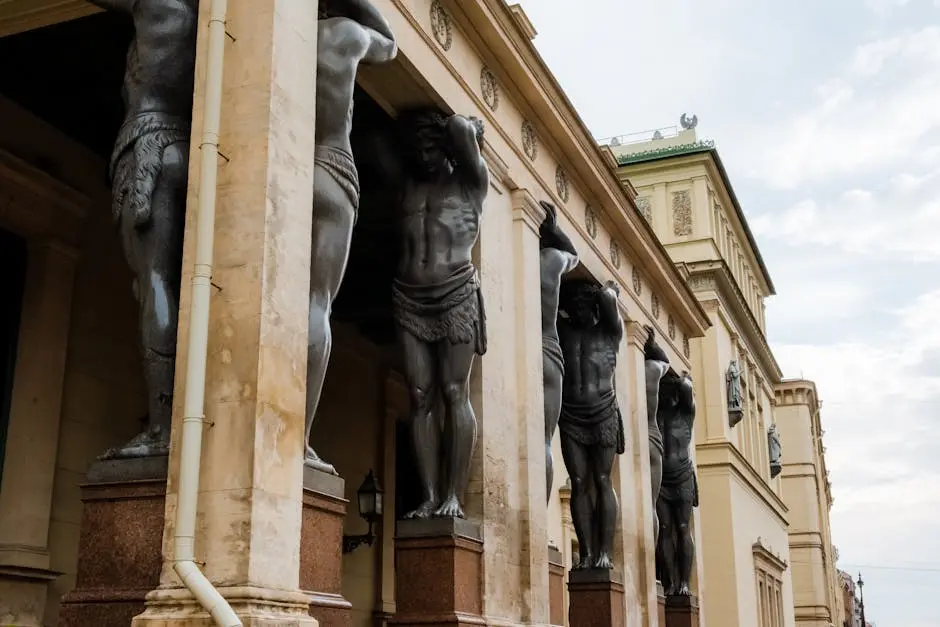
687,198
268,538
808,493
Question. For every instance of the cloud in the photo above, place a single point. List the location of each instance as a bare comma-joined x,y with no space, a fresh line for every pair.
897,221
870,116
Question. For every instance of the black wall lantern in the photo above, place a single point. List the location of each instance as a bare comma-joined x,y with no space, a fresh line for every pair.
370,502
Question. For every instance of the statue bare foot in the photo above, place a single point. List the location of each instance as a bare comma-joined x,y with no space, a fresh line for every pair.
313,460
423,512
450,508
684,590
152,442
603,561
585,562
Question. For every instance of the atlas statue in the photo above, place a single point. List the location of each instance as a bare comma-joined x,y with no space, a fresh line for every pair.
590,331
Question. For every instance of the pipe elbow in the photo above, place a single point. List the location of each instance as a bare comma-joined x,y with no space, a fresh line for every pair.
210,598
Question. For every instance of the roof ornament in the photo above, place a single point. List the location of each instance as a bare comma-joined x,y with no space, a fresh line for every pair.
687,122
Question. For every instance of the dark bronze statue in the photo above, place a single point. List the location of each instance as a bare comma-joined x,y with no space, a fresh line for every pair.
590,331
556,258
775,451
149,170
436,297
657,363
735,400
679,491
350,32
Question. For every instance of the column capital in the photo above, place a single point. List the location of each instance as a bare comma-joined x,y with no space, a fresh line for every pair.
526,208
636,334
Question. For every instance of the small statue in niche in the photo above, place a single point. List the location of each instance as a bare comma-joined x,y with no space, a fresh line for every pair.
149,171
437,300
557,256
590,331
775,451
679,491
657,364
735,400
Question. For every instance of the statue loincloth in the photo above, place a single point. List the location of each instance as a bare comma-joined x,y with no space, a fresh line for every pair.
137,161
451,310
656,438
680,484
597,424
551,350
341,166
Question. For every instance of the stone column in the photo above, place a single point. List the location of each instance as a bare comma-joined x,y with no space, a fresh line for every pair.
250,500
634,476
527,215
32,437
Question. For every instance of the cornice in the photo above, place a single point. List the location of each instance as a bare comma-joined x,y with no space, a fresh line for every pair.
763,553
724,455
575,148
715,275
31,16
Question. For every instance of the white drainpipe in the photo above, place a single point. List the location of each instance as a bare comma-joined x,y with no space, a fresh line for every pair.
184,557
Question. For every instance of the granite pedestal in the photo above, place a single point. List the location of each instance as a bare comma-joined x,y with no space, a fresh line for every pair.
120,547
556,586
321,548
439,573
595,598
682,611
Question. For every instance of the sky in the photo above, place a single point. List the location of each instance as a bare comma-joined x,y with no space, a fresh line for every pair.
827,116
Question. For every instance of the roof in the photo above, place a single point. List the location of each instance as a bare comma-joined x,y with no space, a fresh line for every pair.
702,147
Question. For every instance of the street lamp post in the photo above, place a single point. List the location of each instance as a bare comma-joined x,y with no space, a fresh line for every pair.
861,599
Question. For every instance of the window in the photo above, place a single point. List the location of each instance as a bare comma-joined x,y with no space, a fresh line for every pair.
12,280
768,571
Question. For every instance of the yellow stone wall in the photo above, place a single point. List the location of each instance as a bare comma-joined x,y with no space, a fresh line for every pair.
742,516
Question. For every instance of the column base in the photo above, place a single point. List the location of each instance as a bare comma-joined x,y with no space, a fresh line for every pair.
321,547
256,607
556,586
23,591
439,573
595,598
120,547
682,611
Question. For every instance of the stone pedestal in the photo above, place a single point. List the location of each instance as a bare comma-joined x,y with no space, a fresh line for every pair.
321,547
439,573
595,598
120,542
556,586
661,603
682,611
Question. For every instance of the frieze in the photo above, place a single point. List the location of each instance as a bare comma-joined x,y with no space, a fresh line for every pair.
489,88
561,184
530,140
645,207
682,213
614,253
590,221
441,25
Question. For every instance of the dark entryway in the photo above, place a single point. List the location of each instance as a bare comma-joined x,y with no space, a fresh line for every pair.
12,282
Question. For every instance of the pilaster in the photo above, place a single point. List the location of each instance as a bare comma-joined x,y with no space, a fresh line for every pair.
636,500
250,501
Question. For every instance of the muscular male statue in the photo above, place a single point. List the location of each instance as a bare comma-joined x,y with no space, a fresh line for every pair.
436,298
679,491
657,364
590,331
556,258
148,170
350,32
